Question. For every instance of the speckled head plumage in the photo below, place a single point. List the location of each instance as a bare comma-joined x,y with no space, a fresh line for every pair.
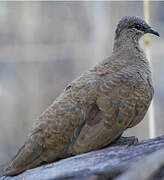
134,26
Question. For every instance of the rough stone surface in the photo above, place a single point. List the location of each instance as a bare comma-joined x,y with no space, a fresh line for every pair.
116,161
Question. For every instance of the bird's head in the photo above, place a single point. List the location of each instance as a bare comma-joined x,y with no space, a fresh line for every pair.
132,27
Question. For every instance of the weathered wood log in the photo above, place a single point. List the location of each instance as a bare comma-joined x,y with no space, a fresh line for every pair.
126,159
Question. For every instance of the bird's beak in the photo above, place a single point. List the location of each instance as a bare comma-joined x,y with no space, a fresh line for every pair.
152,31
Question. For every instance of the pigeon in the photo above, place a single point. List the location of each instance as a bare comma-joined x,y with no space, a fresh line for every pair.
95,108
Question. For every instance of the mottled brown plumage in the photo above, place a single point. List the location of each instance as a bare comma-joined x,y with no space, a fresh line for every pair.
95,108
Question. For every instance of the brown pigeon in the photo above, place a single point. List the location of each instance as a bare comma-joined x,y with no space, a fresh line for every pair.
96,108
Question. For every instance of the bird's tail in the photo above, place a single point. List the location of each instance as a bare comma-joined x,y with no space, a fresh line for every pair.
29,156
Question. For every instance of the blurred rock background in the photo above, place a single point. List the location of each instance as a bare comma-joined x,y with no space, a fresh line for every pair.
45,45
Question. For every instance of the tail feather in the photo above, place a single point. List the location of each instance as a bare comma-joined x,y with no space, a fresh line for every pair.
29,156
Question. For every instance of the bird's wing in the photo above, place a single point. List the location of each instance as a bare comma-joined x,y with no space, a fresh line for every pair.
116,108
57,124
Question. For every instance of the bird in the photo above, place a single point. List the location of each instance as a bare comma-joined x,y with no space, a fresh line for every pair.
95,108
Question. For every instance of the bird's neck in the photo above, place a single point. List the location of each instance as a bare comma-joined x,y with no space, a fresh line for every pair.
126,40
129,47
125,43
132,53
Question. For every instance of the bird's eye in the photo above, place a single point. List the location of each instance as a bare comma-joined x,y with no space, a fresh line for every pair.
137,26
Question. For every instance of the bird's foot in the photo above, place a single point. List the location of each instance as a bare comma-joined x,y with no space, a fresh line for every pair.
125,141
